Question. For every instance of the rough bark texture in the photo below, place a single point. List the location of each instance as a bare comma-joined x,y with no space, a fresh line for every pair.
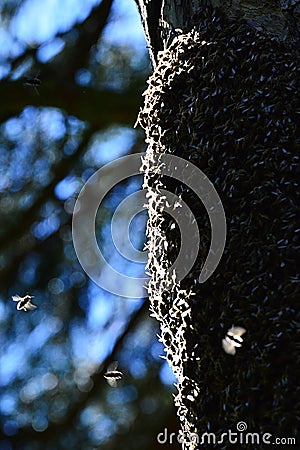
224,96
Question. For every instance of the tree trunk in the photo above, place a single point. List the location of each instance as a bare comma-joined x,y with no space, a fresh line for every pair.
223,96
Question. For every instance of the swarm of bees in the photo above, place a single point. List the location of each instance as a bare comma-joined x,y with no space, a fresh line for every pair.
233,339
24,302
112,374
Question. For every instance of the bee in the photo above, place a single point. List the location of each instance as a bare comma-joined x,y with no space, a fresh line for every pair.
112,374
24,302
33,82
233,340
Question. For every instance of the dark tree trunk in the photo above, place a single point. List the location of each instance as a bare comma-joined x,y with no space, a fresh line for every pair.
224,96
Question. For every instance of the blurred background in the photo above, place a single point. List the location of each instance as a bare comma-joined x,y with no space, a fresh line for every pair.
72,75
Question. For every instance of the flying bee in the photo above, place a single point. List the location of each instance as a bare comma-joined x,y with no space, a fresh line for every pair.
33,82
233,340
112,374
24,302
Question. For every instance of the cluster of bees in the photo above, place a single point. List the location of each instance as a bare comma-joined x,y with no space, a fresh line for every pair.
232,341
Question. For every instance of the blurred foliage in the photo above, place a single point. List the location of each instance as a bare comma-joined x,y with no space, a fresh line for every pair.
68,105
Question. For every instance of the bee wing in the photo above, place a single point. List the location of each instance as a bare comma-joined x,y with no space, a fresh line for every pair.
112,382
239,331
30,306
17,298
112,367
228,347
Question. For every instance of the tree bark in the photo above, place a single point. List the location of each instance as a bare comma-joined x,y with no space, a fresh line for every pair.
223,95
